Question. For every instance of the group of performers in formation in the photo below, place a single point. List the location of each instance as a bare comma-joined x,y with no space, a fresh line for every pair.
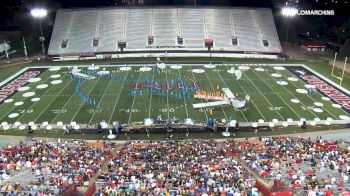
209,95
82,96
174,88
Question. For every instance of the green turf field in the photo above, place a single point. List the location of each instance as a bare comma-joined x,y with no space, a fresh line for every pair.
269,100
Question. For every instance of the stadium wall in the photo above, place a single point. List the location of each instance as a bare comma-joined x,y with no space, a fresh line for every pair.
162,54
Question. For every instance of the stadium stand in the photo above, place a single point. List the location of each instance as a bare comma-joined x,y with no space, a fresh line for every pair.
157,168
35,167
270,166
99,30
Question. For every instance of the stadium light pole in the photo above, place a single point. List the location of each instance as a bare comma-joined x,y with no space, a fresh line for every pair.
40,13
288,12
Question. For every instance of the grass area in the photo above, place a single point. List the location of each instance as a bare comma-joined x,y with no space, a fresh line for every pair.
61,103
320,65
326,70
7,71
49,108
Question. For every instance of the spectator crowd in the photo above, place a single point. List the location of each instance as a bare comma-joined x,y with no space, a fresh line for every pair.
188,167
308,167
47,167
176,168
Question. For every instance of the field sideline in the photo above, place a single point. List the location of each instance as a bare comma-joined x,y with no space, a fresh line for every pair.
269,100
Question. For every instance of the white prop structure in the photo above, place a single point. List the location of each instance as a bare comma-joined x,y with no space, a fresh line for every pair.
104,125
75,69
161,65
110,136
239,103
189,121
210,104
148,122
93,67
238,74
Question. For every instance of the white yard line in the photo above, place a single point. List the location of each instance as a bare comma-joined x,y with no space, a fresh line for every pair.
264,97
48,105
167,94
263,117
47,90
212,87
184,98
276,93
230,104
313,98
15,75
150,100
293,96
13,97
93,115
76,113
205,111
115,105
133,101
63,107
58,114
334,84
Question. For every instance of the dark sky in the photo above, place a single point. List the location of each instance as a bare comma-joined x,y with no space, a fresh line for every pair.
10,9
91,3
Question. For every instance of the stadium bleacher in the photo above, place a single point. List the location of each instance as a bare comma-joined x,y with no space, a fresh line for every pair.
231,29
269,165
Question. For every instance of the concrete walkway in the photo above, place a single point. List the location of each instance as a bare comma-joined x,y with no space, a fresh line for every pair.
343,134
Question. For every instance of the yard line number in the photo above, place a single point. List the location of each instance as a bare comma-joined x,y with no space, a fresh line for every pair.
164,110
25,111
307,107
59,111
273,108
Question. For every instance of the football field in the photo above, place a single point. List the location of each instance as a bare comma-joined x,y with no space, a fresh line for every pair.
278,93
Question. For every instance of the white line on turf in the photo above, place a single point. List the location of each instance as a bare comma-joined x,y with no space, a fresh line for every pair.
58,114
313,98
276,93
230,104
331,81
47,90
262,116
93,115
264,96
184,98
212,87
82,103
48,105
150,100
115,105
20,99
167,94
14,76
206,115
292,96
133,101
